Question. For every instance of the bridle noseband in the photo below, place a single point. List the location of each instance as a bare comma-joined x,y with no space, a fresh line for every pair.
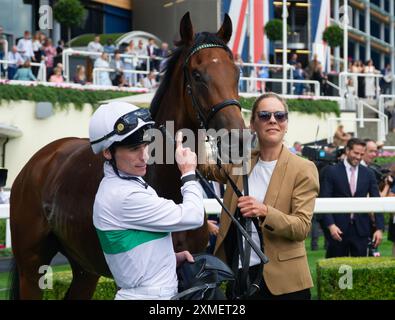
204,120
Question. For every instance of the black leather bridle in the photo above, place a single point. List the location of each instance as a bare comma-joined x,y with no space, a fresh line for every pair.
203,118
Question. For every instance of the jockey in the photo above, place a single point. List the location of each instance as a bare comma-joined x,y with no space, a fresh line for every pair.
133,223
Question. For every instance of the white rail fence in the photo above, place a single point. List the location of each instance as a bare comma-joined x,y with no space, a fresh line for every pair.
322,206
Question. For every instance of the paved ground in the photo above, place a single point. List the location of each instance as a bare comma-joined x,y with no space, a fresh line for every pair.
5,263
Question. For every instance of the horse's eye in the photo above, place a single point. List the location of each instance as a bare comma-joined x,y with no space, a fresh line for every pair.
197,76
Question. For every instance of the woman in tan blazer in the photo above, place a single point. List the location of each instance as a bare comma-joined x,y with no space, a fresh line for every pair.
283,188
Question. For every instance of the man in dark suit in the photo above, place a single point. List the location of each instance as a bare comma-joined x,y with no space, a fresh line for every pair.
162,52
350,232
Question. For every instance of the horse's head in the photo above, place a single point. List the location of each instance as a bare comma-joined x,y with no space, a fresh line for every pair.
210,77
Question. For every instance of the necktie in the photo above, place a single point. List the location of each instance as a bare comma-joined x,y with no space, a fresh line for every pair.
352,186
352,181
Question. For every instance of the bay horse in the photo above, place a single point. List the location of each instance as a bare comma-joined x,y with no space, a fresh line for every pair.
52,197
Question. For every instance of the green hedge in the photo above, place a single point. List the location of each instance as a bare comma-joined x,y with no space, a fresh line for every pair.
384,160
105,290
83,40
59,97
373,278
309,106
62,97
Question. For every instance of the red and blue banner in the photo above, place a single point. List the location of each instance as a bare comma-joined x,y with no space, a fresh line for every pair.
320,19
249,18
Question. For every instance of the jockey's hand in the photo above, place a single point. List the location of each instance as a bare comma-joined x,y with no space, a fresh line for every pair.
186,159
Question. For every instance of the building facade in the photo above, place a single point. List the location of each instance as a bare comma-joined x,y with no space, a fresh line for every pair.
103,16
370,31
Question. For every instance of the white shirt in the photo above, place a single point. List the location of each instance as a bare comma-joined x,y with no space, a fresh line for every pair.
258,182
103,77
126,206
36,45
15,59
25,47
348,171
95,47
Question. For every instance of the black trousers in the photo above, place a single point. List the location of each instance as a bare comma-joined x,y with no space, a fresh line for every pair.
352,244
265,294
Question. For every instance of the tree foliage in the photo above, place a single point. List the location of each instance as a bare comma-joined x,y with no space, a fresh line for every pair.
333,35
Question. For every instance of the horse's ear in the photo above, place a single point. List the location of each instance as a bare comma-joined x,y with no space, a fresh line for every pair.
186,30
225,32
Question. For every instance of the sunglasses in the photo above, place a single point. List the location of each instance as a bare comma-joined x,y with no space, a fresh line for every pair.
127,123
280,116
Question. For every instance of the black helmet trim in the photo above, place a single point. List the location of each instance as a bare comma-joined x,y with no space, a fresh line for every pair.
127,123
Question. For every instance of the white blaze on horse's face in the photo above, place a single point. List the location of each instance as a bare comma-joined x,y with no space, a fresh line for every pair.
215,60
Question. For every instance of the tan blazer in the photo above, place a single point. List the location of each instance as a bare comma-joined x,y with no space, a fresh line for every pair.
290,199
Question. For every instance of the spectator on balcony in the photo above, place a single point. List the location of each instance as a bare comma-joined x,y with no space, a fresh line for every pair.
319,75
37,51
109,47
294,60
130,63
80,75
149,81
141,63
386,80
93,46
103,77
151,52
340,138
25,72
60,47
263,73
360,68
299,75
119,80
312,66
117,64
15,60
50,53
57,76
163,52
370,82
240,63
353,85
25,47
3,40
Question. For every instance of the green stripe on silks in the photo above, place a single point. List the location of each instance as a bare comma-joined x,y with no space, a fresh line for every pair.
117,241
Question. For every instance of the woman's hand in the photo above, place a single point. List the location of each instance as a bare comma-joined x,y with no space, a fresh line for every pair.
212,227
251,208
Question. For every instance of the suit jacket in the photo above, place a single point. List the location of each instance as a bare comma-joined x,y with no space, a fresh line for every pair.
290,199
335,184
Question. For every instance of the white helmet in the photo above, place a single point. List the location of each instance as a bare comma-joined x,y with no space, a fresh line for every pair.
115,121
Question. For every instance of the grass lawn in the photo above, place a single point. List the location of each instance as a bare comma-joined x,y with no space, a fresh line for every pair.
313,257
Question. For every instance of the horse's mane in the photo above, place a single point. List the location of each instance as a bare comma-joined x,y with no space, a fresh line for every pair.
200,38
